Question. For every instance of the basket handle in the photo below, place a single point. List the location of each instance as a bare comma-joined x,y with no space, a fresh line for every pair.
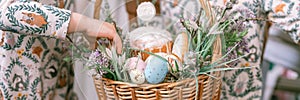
97,8
217,49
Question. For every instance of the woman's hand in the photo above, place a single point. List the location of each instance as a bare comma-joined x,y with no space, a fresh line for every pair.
95,29
107,30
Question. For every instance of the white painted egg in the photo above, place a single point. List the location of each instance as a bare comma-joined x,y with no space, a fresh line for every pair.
137,76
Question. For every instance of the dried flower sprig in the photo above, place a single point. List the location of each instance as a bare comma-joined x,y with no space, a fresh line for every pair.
204,33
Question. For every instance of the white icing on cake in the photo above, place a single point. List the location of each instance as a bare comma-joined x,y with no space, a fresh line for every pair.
149,37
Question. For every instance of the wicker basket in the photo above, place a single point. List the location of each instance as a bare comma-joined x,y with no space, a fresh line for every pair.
184,90
208,88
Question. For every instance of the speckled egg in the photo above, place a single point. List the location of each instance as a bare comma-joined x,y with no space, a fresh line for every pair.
137,76
135,63
156,70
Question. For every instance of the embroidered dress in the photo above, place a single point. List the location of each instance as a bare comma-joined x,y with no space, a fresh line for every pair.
244,84
32,49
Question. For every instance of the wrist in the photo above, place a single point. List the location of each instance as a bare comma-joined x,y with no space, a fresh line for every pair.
77,23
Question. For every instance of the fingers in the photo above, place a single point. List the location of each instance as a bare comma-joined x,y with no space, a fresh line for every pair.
117,40
107,30
118,43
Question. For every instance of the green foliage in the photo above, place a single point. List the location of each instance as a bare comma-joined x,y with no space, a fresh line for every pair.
203,37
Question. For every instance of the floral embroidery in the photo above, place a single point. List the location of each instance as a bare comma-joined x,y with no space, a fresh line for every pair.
20,52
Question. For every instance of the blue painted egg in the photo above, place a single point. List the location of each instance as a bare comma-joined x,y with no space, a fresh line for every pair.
156,70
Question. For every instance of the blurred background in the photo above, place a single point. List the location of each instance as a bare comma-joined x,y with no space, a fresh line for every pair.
281,66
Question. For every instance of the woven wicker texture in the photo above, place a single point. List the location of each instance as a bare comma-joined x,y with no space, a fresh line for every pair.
183,90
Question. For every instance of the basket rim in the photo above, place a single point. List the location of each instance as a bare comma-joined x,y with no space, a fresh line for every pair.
167,85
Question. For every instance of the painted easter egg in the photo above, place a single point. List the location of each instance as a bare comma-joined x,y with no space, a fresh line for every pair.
135,63
174,62
156,69
137,76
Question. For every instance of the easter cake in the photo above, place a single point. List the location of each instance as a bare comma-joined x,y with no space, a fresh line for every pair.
150,39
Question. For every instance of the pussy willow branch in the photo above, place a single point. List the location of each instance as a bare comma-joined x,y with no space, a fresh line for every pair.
258,19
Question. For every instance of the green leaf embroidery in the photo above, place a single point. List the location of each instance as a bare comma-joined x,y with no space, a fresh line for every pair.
42,41
19,41
29,43
33,88
258,74
8,73
286,1
63,16
44,54
249,85
21,65
32,30
290,8
6,94
57,42
7,47
30,56
49,89
10,67
57,49
2,26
